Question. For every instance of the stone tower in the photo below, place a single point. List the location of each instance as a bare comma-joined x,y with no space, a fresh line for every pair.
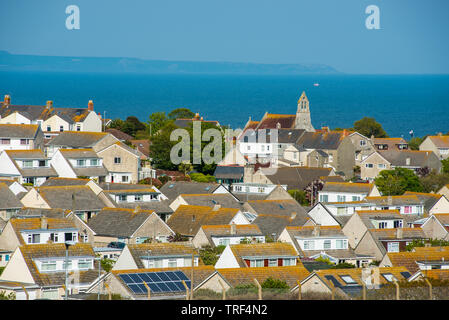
303,114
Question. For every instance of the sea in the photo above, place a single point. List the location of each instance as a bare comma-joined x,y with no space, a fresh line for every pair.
400,103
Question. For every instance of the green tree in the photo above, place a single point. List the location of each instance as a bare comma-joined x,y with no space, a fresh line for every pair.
209,255
132,125
299,196
199,177
271,283
434,181
445,165
185,167
415,142
369,127
181,113
161,147
422,243
117,124
397,181
157,121
4,296
107,264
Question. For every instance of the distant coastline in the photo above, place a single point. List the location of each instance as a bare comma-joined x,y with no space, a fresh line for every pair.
16,62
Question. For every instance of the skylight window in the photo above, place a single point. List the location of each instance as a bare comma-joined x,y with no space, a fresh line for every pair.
348,279
389,277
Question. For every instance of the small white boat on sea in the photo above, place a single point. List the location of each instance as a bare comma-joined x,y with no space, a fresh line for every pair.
316,84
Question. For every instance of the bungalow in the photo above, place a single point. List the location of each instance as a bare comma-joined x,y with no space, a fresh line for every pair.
73,163
80,199
390,159
33,231
224,200
26,166
164,283
329,242
273,254
21,137
436,226
157,255
272,225
43,266
321,215
389,143
421,258
128,226
229,174
173,189
223,235
347,191
349,282
433,203
259,191
9,204
378,242
437,144
188,219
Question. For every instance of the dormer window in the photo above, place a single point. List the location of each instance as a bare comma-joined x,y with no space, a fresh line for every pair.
81,163
34,238
122,198
27,163
94,162
48,265
24,141
43,163
84,264
348,279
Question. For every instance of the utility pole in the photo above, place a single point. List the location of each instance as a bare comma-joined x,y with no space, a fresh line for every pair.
191,277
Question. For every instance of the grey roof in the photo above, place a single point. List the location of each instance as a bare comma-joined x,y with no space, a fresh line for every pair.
229,172
25,131
429,199
277,207
156,206
286,135
118,222
35,154
272,223
347,187
38,172
71,197
77,139
342,219
398,157
320,140
30,112
225,200
91,172
295,177
26,212
172,189
106,186
8,199
56,182
245,196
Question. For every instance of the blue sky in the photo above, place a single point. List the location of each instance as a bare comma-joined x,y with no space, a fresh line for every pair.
413,37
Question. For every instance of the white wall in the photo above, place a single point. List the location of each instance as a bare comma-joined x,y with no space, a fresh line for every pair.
92,123
61,166
227,259
320,215
333,196
7,167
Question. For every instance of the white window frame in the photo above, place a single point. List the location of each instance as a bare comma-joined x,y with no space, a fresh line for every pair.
391,246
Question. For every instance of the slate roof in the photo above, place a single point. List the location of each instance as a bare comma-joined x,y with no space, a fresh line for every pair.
34,251
143,146
27,212
394,200
263,251
295,177
440,141
122,136
156,206
408,259
429,199
270,121
84,154
398,157
349,187
30,112
443,218
118,222
391,234
289,274
225,200
24,131
368,215
77,139
58,182
229,172
241,230
272,223
106,186
62,197
160,249
8,199
285,207
321,140
172,189
187,219
35,154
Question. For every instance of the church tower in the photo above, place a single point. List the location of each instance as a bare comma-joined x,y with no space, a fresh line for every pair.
303,114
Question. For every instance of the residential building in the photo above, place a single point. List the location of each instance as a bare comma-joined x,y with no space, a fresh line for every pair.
436,226
437,144
259,191
271,254
21,137
186,123
224,200
9,204
229,174
347,191
173,189
26,166
223,235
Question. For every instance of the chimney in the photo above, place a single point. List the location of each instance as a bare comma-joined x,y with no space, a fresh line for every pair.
216,207
407,161
316,230
201,118
390,201
90,105
49,104
44,222
7,99
278,125
233,228
193,218
197,116
136,209
439,133
293,215
375,276
399,233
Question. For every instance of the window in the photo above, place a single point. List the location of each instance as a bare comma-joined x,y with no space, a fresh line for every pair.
407,209
369,165
393,246
362,142
24,141
172,263
341,210
268,148
78,128
7,257
355,198
124,178
348,279
381,166
85,264
324,198
154,263
262,148
382,225
81,163
54,237
69,265
94,162
122,198
43,163
117,160
68,236
34,238
140,240
309,245
341,198
248,148
61,128
288,262
397,224
6,141
138,197
272,262
327,244
261,189
389,277
48,265
224,241
48,128
341,244
27,163
256,263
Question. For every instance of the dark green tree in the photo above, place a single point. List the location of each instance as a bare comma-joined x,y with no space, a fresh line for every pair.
415,142
369,127
397,181
434,181
271,283
157,121
161,147
299,196
181,113
445,165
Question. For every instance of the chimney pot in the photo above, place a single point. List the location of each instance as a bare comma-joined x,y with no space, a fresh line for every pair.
407,161
90,105
316,230
49,104
7,99
399,233
233,228
44,222
216,207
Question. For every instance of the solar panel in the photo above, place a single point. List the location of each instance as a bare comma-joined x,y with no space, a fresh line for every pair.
406,275
333,280
158,282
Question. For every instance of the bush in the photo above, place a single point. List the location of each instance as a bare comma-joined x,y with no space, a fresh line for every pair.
271,283
107,264
209,255
199,177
